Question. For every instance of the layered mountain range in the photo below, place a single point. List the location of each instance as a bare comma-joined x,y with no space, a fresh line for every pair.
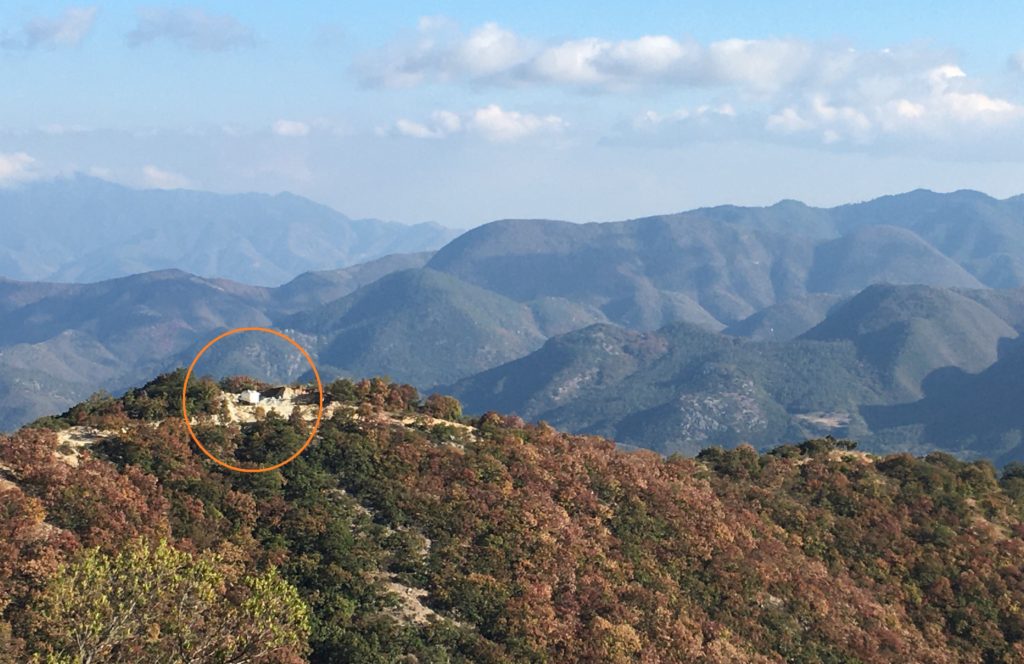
714,326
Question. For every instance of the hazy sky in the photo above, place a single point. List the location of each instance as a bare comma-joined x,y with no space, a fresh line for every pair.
463,112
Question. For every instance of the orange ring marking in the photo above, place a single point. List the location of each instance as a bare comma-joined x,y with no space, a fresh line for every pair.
319,412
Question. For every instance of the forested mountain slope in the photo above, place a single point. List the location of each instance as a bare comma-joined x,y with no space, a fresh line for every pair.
405,534
421,326
681,387
907,332
978,413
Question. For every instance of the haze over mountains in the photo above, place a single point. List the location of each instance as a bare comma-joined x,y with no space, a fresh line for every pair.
84,229
727,263
713,326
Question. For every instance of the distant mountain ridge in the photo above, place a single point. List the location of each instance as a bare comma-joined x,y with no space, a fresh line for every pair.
721,265
83,229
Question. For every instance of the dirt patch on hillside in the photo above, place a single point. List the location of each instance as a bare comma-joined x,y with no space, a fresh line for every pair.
71,442
286,400
829,421
410,604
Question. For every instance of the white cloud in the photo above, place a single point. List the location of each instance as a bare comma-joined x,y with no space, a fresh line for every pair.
965,104
161,179
489,122
439,52
490,50
858,100
787,121
68,29
939,103
496,124
290,128
762,65
493,54
700,123
704,111
977,106
192,28
441,124
780,89
941,76
16,167
417,130
659,60
651,55
904,108
573,62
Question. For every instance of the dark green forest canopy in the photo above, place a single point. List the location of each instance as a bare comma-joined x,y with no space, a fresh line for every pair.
406,532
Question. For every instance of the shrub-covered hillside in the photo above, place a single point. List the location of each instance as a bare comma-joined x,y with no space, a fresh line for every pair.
405,533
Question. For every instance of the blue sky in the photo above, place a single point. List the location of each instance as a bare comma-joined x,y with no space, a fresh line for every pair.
463,112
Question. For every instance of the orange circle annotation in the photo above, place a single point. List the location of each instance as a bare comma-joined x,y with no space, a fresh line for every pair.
184,406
